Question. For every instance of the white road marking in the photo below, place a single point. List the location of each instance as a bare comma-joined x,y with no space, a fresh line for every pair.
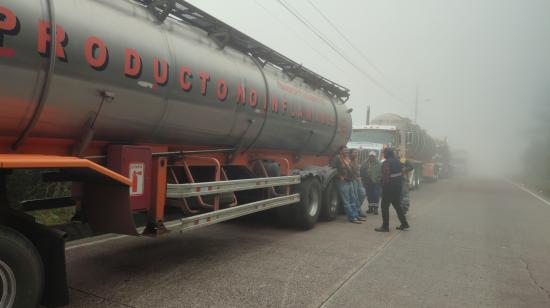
111,238
522,187
372,257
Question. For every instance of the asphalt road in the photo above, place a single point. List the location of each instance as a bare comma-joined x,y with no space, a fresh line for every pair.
473,243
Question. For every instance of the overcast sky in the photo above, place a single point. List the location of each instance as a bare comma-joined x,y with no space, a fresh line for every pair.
482,66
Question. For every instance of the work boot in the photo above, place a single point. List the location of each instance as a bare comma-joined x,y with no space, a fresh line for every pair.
403,227
382,229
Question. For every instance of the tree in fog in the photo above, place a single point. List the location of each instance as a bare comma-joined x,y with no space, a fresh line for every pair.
537,156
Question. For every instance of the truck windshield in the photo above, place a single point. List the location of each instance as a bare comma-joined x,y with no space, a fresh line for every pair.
373,135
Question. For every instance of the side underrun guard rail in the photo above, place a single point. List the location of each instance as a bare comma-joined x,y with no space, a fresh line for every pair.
210,188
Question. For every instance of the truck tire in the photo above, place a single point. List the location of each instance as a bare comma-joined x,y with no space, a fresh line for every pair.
412,181
306,212
331,202
21,271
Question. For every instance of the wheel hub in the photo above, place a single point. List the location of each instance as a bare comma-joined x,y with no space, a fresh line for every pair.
7,285
334,201
313,202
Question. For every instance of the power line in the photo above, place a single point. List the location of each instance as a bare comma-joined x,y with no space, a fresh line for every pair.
258,3
345,37
319,34
310,26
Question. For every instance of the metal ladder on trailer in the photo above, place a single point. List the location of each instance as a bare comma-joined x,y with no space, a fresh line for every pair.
225,35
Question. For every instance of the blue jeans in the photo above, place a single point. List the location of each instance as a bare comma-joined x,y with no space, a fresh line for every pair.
373,194
359,194
349,200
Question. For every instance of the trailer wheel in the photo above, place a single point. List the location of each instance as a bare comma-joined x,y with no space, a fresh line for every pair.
331,202
21,271
307,211
412,181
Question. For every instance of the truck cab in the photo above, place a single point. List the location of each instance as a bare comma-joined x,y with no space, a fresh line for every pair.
376,138
365,147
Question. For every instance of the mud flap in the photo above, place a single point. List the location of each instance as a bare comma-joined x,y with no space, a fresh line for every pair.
107,208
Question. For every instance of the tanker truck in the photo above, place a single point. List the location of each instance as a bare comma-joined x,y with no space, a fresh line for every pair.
427,155
148,108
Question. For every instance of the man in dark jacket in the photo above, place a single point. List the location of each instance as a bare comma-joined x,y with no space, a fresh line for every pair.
392,184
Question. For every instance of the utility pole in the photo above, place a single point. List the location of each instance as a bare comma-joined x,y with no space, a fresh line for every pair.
368,115
416,107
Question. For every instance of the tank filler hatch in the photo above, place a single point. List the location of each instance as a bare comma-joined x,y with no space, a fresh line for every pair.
225,35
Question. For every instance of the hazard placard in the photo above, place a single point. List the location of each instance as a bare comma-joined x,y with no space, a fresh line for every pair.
137,172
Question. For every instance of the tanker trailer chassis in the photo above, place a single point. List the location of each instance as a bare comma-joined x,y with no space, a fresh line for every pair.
172,136
206,187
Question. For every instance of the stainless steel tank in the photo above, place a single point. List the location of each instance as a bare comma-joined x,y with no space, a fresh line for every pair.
167,83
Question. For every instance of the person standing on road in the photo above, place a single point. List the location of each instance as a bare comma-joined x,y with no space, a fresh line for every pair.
406,168
371,173
358,188
344,181
392,184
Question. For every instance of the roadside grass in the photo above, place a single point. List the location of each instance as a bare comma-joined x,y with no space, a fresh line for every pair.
29,185
53,217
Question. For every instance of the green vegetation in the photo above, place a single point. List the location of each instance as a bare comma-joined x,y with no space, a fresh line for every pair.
538,167
28,185
537,156
54,217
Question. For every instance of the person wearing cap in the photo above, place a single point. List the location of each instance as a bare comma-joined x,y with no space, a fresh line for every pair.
344,180
371,173
357,186
392,184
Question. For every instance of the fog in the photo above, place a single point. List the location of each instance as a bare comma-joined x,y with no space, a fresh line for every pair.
481,67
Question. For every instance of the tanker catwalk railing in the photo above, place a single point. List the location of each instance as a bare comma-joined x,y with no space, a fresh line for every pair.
225,35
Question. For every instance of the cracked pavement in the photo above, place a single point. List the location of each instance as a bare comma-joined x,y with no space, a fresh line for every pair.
473,243
534,280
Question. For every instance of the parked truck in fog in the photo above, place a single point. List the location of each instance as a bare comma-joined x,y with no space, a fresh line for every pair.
429,157
459,162
150,108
